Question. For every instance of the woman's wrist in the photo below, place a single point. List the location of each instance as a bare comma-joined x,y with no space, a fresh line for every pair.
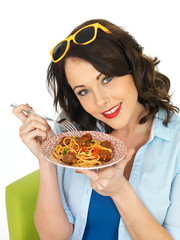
44,164
121,196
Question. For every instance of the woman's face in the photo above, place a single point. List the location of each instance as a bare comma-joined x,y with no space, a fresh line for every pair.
112,100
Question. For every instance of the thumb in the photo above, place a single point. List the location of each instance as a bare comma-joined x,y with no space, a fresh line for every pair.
123,162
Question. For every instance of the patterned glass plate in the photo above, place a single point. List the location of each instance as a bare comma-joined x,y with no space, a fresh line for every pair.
119,149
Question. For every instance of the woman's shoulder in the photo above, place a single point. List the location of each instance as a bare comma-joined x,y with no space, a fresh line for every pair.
174,127
171,132
170,136
174,123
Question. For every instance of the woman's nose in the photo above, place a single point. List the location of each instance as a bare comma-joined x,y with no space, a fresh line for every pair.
101,99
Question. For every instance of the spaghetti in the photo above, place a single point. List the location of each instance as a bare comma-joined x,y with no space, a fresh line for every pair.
82,151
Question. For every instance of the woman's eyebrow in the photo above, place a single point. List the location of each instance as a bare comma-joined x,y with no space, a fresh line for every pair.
78,86
98,76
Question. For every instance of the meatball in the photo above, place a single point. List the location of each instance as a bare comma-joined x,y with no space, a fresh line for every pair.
86,137
106,144
105,155
85,140
69,158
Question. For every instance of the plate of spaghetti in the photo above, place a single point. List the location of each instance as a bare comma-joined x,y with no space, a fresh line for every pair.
90,150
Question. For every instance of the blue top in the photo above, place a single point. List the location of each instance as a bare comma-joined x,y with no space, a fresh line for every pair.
155,177
103,219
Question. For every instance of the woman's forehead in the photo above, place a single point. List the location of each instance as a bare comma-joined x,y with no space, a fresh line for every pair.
78,70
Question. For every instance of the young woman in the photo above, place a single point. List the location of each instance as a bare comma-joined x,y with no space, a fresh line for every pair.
102,81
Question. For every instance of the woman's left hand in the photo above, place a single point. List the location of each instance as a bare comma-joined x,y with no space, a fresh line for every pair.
108,181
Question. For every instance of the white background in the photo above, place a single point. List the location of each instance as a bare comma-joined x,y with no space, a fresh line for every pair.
29,29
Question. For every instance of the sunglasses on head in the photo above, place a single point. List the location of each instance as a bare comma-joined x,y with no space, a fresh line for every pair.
83,36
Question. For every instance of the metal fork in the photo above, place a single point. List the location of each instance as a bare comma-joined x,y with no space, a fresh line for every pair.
63,122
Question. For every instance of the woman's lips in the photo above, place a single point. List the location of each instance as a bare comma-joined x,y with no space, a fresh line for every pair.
112,112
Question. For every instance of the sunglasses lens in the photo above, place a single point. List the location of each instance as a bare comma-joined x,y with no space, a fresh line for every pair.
59,50
85,35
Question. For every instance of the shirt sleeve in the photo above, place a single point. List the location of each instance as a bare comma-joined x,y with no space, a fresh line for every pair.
172,220
60,173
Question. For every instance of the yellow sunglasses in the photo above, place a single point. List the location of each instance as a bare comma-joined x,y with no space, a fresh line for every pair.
83,36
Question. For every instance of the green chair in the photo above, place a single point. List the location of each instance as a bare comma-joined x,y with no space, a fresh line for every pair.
21,197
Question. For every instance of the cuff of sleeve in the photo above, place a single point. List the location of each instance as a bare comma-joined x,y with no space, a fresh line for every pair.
175,233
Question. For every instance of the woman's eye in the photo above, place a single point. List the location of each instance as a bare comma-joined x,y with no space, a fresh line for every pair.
106,80
83,92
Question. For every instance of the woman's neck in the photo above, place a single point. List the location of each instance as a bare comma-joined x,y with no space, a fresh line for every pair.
133,127
134,135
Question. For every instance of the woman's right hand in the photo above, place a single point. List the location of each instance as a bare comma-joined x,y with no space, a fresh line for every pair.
34,129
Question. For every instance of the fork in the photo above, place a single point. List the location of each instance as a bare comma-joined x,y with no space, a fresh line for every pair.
63,122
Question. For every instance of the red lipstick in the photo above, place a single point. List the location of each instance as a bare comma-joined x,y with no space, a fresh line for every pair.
112,114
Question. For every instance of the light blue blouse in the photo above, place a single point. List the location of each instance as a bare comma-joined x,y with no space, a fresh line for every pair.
155,177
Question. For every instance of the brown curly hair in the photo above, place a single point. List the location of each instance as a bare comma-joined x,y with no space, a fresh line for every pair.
115,54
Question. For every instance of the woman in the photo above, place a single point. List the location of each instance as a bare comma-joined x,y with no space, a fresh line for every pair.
102,80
